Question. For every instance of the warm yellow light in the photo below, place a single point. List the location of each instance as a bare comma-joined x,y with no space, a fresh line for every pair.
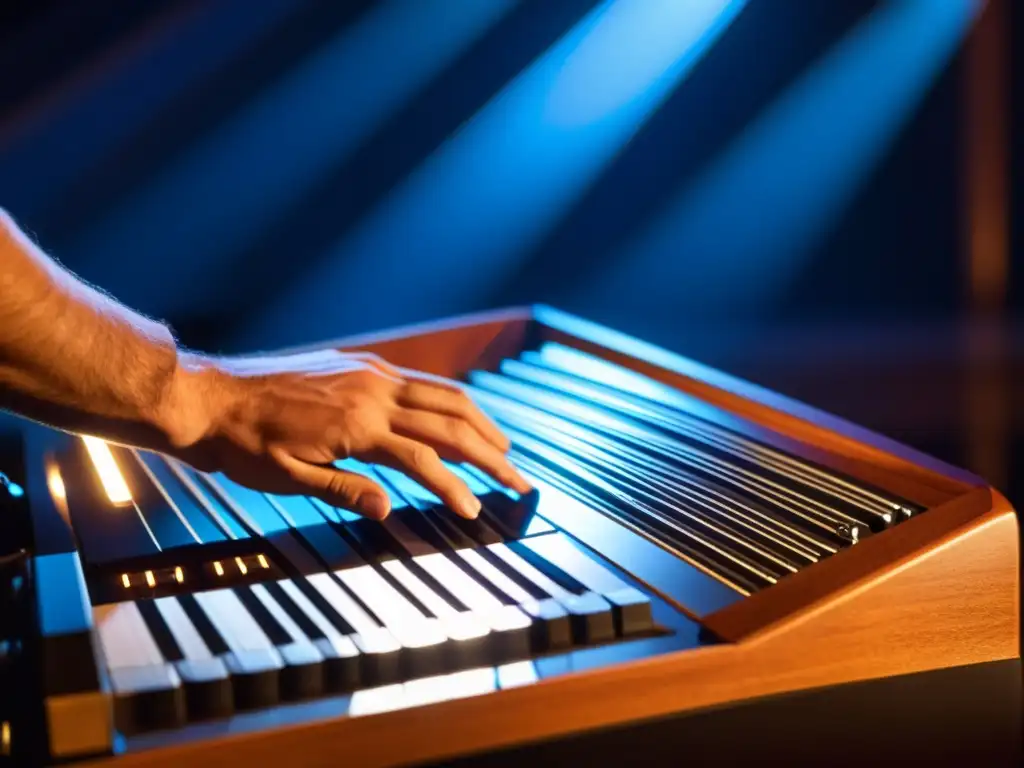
179,575
126,581
263,561
150,579
5,738
55,483
106,467
218,568
241,566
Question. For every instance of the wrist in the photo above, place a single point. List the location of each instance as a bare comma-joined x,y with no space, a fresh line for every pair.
195,403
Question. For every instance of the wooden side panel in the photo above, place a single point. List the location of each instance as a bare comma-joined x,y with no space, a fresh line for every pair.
871,562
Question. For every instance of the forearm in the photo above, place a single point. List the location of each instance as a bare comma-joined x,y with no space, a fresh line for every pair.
73,358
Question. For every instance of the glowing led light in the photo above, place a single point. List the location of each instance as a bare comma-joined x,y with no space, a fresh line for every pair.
263,561
150,579
5,738
55,483
241,566
179,575
218,568
126,581
106,467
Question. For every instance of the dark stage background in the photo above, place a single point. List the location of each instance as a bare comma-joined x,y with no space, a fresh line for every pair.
262,173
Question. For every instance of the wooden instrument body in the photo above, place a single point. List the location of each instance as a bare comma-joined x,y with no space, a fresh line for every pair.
940,590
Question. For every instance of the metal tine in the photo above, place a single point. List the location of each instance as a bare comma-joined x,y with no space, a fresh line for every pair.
690,426
644,484
572,486
827,522
529,443
784,534
644,390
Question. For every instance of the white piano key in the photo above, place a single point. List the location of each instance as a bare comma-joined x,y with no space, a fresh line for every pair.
458,625
406,622
513,560
240,631
347,608
124,636
189,641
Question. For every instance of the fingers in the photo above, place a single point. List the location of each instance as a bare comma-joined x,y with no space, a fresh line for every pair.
337,488
451,402
422,463
455,440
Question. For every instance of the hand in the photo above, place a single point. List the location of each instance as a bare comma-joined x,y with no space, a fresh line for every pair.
278,424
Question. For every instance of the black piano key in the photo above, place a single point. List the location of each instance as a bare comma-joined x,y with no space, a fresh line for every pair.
548,622
464,625
168,528
253,511
251,659
303,673
208,690
405,545
376,549
381,654
210,501
472,643
180,498
106,532
553,619
511,628
159,631
341,656
148,694
589,613
511,514
421,544
422,637
631,608
308,524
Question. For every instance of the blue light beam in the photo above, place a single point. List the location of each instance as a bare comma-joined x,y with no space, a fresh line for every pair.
503,179
227,189
736,235
38,160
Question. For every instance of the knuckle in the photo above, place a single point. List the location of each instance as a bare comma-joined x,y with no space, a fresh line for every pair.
339,486
459,431
462,400
422,457
363,378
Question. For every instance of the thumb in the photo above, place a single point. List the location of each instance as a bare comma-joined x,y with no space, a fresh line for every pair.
339,488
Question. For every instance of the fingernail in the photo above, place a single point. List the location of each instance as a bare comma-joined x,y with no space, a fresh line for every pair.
518,483
376,506
469,507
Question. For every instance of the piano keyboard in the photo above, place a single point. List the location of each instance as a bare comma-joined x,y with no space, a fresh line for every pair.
194,607
267,599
